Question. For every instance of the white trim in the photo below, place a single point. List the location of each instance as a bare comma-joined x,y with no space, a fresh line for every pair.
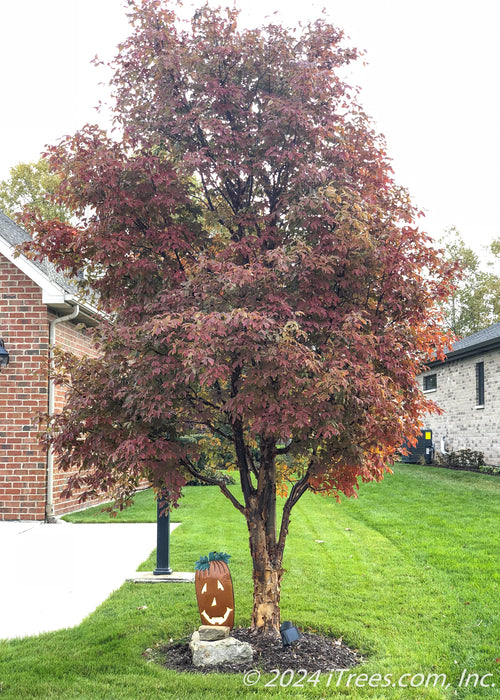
52,293
428,391
50,290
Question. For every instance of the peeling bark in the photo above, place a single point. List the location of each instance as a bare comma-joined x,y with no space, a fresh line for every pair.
266,600
267,575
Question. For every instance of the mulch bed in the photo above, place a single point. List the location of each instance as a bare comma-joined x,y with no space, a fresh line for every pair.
310,653
456,468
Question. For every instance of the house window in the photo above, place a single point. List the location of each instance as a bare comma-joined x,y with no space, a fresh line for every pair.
430,382
480,383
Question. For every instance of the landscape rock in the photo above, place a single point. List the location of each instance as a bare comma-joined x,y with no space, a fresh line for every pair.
209,633
221,651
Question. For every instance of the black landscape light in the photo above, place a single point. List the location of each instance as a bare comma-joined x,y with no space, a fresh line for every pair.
4,355
289,634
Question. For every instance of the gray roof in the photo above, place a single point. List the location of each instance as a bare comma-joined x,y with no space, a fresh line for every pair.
475,344
14,235
487,335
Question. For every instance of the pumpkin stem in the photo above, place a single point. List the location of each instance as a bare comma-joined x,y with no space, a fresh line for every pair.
203,563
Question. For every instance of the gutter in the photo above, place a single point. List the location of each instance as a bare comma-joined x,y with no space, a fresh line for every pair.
470,351
49,503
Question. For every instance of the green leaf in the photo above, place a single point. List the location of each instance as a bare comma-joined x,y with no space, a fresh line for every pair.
203,563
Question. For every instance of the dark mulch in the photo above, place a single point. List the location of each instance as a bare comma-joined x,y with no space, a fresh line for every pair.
311,653
456,468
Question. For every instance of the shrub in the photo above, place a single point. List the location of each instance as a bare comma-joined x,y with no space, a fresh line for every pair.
221,477
210,454
487,469
461,458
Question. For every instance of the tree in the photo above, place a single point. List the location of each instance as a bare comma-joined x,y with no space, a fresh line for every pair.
261,273
475,303
30,187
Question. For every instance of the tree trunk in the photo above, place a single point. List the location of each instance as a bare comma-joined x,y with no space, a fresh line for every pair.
266,551
266,600
267,574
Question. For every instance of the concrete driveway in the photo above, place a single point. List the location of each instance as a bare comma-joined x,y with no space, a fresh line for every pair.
53,576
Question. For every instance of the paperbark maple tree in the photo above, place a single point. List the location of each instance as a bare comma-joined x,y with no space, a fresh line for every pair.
262,275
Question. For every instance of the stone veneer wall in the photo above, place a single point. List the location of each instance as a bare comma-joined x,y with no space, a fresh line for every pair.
463,424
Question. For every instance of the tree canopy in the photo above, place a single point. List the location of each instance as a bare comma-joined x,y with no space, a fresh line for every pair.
31,187
475,303
263,279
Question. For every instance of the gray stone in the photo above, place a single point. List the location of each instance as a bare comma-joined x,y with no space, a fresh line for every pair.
228,650
209,633
174,577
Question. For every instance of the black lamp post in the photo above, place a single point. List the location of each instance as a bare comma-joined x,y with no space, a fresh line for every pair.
162,537
4,355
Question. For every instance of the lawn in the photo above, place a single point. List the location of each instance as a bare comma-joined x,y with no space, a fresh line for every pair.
408,573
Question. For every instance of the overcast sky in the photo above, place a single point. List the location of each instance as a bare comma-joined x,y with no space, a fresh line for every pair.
431,84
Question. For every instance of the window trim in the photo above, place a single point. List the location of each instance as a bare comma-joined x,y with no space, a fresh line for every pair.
432,388
479,385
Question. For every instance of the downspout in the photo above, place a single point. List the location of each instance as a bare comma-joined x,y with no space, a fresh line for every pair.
49,503
443,445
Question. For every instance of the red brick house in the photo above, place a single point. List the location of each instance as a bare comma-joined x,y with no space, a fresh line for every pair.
38,308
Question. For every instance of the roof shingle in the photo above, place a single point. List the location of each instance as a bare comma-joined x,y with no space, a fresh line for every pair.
14,235
487,334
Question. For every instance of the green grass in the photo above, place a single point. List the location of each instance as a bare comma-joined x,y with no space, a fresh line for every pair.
407,573
143,511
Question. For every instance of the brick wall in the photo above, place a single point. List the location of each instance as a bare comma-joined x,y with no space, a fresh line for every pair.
71,337
74,338
23,393
24,326
464,424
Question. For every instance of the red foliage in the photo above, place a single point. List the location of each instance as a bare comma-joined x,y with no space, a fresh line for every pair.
262,273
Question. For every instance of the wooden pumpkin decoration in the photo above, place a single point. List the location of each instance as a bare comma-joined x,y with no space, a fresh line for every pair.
214,590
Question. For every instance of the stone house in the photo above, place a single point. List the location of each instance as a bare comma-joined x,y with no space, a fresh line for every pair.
38,308
467,387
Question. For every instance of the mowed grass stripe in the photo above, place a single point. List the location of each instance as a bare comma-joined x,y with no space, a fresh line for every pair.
407,573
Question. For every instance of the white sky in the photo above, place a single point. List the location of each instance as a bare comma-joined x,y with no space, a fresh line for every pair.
432,86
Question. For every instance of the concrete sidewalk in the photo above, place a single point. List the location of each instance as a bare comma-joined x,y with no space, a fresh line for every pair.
53,576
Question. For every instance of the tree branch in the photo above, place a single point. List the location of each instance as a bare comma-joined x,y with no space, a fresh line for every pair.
298,490
189,466
284,450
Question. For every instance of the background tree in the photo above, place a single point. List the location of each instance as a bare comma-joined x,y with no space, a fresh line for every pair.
31,186
475,303
495,247
261,271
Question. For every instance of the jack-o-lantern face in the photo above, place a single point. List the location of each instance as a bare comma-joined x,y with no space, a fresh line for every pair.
214,592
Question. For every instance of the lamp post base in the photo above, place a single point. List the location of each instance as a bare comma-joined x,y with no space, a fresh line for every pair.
174,577
163,572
